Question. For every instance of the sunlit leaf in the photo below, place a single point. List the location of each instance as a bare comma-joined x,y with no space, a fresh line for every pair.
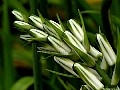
85,42
61,74
23,83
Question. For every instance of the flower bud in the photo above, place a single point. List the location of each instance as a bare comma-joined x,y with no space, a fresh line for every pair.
94,52
74,41
23,26
79,49
60,46
104,64
26,37
76,29
58,29
88,77
51,31
106,49
36,21
56,24
19,15
67,64
42,36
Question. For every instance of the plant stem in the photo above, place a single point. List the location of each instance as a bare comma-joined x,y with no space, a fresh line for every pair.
104,76
7,50
37,68
36,62
1,66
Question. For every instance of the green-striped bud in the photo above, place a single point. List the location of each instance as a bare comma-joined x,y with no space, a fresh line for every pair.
94,52
60,46
26,37
74,41
79,49
85,87
88,77
76,29
104,64
36,21
51,31
23,26
57,28
67,64
56,24
19,15
40,35
106,49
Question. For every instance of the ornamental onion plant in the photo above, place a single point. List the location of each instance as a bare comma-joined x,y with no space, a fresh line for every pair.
89,64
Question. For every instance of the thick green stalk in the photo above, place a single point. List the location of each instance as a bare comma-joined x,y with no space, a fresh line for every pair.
105,20
1,66
7,49
37,68
36,62
104,76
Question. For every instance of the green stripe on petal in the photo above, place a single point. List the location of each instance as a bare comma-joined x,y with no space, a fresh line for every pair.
88,77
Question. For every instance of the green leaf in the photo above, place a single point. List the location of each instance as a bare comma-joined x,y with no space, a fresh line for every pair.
85,42
61,74
23,83
41,17
71,86
116,73
90,11
63,83
63,28
104,76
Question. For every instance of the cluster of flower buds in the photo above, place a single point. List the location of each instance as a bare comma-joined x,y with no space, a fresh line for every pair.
66,43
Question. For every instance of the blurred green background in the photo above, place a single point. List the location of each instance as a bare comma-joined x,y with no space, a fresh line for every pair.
16,58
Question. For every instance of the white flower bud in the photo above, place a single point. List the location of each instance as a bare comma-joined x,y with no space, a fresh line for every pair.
107,50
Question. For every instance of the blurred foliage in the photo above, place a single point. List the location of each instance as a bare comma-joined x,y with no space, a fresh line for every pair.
21,52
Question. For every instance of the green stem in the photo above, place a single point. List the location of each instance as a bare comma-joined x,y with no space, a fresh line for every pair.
36,62
1,67
37,68
7,50
104,76
105,20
